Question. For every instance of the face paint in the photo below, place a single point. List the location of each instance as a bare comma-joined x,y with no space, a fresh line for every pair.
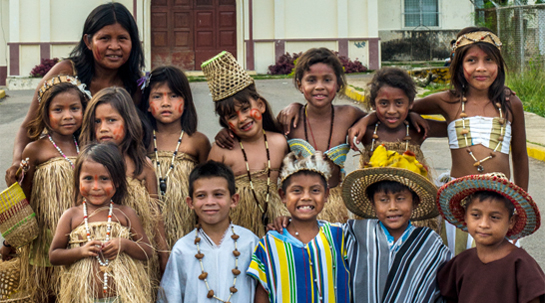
96,54
231,126
256,114
82,190
95,183
53,121
119,133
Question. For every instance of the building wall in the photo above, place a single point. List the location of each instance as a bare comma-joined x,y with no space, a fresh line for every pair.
4,38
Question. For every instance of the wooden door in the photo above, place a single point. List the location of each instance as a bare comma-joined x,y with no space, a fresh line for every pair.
186,33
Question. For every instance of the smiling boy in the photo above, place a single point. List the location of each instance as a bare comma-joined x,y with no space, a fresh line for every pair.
209,262
305,263
390,259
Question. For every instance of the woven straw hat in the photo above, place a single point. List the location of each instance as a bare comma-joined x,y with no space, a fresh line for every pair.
451,196
224,76
356,183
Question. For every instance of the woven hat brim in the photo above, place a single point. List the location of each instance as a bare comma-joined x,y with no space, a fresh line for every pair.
450,196
225,76
356,183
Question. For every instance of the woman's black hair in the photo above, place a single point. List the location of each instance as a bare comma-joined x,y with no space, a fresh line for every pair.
497,91
83,59
178,84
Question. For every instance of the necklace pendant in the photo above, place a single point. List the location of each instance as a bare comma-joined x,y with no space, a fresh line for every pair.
480,168
163,185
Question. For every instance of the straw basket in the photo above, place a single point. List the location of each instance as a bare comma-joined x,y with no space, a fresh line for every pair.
9,282
18,223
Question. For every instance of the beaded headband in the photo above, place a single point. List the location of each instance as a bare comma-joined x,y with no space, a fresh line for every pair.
62,79
294,162
471,38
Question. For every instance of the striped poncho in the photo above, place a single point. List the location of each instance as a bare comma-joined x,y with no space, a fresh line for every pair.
291,271
404,272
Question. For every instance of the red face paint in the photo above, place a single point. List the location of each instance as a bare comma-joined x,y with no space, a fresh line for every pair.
232,126
97,54
95,183
82,190
108,190
256,114
53,121
118,133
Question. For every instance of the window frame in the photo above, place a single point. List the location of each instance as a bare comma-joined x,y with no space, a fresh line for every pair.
420,14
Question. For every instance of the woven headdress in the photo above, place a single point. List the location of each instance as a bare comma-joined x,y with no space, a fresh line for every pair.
294,162
474,37
387,165
62,79
224,76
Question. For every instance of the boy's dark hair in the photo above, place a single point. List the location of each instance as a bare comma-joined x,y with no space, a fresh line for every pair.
497,91
389,187
320,55
287,182
109,156
121,101
390,76
83,59
486,195
177,82
211,169
226,107
36,127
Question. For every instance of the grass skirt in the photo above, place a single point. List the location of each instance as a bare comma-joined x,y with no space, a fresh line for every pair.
400,148
82,281
52,194
334,210
179,218
247,213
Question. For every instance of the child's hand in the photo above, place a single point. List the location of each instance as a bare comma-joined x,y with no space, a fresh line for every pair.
224,139
7,252
279,224
112,248
90,249
356,133
287,115
419,122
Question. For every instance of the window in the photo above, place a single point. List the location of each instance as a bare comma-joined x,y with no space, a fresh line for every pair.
421,13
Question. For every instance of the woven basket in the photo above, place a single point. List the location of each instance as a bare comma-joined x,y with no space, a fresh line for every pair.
18,223
225,76
9,282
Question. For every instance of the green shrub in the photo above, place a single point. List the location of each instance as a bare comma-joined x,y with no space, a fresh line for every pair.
528,85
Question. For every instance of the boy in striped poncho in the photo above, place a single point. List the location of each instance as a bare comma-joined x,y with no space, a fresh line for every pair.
307,262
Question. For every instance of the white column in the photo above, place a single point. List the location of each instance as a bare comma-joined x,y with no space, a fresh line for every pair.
45,21
372,18
14,21
342,18
279,20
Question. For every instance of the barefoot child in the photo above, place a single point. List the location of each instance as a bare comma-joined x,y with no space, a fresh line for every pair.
390,259
177,145
112,117
50,167
210,262
257,157
101,242
492,210
305,263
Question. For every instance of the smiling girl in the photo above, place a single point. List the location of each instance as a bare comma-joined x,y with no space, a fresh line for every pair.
50,164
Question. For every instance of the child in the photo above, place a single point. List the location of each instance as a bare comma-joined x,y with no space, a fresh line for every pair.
112,117
178,147
50,164
492,210
257,157
101,242
108,25
209,263
390,259
306,263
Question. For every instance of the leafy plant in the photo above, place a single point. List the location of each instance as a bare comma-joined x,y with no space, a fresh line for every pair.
43,68
286,63
529,87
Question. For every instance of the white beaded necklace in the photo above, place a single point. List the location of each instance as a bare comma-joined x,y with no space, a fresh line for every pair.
60,151
407,138
106,262
163,181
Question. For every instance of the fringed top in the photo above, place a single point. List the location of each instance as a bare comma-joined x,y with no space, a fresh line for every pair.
247,213
179,218
83,280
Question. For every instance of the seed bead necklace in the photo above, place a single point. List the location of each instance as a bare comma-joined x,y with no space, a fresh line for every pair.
307,120
203,276
60,151
407,138
268,175
103,264
465,132
163,181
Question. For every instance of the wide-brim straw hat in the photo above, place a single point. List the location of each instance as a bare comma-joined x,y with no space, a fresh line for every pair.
356,183
450,201
225,76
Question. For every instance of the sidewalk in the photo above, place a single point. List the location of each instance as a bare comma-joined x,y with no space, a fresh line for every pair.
535,125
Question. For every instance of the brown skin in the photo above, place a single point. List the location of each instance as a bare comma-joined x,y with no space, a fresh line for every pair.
102,78
196,145
261,296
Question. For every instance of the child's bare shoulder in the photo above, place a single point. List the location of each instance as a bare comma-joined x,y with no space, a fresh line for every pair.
276,137
349,113
39,150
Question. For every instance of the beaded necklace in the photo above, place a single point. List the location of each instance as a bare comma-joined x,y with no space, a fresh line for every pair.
306,120
268,176
60,151
407,138
163,181
103,264
465,132
203,276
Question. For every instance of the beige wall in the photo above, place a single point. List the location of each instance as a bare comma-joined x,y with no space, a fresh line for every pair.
4,32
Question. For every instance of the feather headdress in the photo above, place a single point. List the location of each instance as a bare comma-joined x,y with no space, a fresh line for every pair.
294,162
